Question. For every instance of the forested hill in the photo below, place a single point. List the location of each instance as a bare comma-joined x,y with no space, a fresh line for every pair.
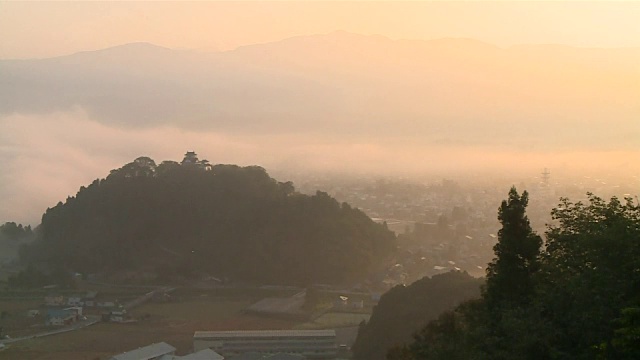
404,310
224,220
574,296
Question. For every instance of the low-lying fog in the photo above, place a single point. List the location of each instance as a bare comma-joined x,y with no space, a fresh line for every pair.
46,158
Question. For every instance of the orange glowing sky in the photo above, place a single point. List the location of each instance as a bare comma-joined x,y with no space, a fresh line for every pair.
506,110
44,29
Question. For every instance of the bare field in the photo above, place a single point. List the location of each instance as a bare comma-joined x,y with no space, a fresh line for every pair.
172,322
14,319
13,306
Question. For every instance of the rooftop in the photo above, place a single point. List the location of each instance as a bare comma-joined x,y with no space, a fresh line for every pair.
206,354
265,333
147,352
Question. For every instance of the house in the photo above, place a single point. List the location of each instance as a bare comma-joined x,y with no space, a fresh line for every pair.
58,317
76,310
119,315
105,304
90,299
151,352
54,300
75,300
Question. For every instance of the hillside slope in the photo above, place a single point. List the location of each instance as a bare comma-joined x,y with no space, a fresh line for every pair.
224,220
403,311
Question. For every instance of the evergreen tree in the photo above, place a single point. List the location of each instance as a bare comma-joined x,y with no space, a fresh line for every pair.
577,300
510,274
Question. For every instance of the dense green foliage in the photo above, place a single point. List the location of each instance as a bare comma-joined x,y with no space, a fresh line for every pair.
224,220
509,275
404,310
582,295
10,231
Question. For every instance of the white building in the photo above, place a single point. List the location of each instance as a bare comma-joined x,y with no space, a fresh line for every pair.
76,309
151,352
164,351
312,344
75,300
118,315
206,354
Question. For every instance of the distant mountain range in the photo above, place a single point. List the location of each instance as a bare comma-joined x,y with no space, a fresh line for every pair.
448,91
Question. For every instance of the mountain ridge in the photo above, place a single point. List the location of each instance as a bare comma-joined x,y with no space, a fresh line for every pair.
333,35
343,84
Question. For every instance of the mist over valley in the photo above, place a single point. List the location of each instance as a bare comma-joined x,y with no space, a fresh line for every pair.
245,181
317,103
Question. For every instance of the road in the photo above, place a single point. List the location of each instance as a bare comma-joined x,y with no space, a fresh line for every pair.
91,319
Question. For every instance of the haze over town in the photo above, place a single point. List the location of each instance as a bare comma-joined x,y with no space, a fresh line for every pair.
373,88
319,180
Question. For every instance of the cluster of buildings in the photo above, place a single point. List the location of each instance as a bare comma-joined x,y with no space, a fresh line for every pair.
88,300
62,311
417,211
62,317
247,345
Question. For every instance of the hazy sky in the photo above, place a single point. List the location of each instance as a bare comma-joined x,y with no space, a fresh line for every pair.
42,29
46,156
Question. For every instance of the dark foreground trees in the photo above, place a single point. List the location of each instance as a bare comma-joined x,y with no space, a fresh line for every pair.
403,310
510,274
582,295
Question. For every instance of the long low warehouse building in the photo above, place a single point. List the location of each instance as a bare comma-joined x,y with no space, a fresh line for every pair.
312,344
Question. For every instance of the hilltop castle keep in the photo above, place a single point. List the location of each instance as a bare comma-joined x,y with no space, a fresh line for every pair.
191,159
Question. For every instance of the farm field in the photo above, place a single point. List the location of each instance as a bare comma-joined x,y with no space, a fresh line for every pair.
14,319
172,322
